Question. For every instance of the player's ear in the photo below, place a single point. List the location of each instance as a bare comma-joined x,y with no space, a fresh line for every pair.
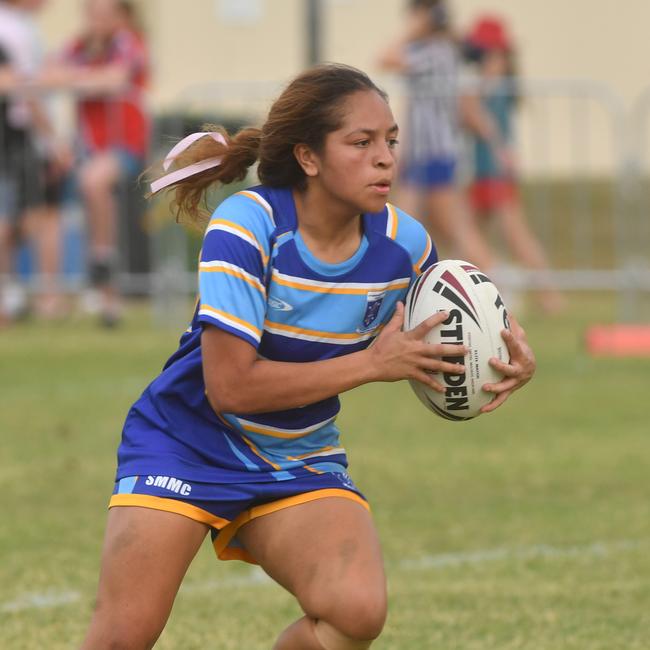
307,159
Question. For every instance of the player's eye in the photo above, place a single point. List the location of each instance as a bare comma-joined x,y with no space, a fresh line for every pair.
393,142
362,143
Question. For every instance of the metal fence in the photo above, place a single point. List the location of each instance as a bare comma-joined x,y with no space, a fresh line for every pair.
585,191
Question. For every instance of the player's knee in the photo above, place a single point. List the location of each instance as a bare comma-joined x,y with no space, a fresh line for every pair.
363,617
113,630
122,637
92,182
357,613
330,638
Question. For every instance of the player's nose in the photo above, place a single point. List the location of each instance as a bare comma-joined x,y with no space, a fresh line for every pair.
385,157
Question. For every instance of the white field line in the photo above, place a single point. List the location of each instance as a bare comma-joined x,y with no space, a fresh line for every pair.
256,577
49,599
595,549
43,600
253,578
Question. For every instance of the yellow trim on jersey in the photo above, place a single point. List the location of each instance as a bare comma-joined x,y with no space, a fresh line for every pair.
226,534
241,232
313,470
260,201
339,288
257,452
317,335
318,452
221,417
417,267
224,316
169,505
230,269
277,432
391,223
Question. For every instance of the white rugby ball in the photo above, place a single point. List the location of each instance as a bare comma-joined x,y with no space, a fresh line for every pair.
477,317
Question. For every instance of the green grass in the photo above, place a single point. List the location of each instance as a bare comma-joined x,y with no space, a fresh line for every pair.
565,464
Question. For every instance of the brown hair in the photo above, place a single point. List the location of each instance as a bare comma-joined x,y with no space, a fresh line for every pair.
307,110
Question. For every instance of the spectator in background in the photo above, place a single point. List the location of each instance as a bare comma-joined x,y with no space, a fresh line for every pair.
107,66
494,191
427,54
32,162
130,20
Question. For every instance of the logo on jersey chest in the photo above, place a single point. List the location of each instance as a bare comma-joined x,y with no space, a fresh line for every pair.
279,304
373,305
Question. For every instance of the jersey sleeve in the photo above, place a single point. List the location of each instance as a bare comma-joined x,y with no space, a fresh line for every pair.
232,268
413,237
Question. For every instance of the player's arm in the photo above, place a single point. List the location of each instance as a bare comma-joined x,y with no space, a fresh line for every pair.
237,381
107,79
110,78
478,121
394,57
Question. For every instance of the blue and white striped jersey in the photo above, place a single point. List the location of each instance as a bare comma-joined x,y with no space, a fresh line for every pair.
432,70
259,282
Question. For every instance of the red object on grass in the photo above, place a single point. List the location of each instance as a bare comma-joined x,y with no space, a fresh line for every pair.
619,340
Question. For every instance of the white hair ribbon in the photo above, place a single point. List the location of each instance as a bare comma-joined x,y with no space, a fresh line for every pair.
190,170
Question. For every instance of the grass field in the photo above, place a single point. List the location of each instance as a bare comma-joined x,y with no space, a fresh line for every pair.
526,529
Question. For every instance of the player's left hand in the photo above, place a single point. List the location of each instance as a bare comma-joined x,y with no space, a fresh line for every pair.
518,372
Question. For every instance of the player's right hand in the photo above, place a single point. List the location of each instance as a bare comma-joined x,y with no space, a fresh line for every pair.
396,354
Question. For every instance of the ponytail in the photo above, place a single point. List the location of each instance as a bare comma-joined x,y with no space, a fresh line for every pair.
204,159
307,110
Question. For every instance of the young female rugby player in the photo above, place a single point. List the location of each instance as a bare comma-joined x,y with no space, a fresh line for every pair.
236,436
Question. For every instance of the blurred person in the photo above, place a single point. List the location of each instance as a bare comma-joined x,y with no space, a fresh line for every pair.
427,54
236,436
130,19
107,65
32,162
494,191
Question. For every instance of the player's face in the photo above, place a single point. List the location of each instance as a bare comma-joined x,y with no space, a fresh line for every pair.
358,164
102,17
495,63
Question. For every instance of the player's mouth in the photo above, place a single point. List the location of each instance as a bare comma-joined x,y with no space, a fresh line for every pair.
381,187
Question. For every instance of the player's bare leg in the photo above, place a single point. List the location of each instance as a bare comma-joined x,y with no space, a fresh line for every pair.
44,225
441,219
98,178
146,554
326,552
450,223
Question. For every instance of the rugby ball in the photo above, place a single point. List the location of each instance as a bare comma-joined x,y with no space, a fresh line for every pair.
477,316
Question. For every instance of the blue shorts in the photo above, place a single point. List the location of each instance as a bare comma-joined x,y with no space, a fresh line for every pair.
227,507
130,164
434,172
